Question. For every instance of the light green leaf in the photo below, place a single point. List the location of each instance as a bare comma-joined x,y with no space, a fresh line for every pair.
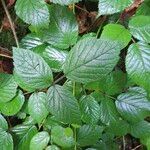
31,71
34,12
116,32
138,64
62,136
8,87
91,59
65,2
63,30
39,141
140,28
6,141
23,135
13,107
140,129
107,7
37,106
3,123
89,135
63,105
133,105
55,58
52,147
108,111
90,110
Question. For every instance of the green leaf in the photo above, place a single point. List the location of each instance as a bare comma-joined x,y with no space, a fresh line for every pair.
6,141
3,123
8,87
62,136
90,110
140,28
65,2
140,129
86,65
30,41
108,111
89,135
55,58
52,147
107,7
31,71
133,105
116,32
37,106
63,30
63,105
39,141
23,135
13,107
34,12
137,64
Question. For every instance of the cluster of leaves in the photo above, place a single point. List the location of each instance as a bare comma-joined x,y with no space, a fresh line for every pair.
97,100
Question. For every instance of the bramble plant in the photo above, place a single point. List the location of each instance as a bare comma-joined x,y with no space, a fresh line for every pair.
74,91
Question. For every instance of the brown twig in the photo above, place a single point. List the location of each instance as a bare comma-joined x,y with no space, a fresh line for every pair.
5,53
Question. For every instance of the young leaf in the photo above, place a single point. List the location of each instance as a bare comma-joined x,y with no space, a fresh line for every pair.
133,105
89,135
90,110
140,28
108,111
13,107
63,30
107,7
34,12
52,147
37,106
8,87
6,141
116,32
138,62
65,2
23,135
39,141
62,136
86,65
31,71
63,105
3,123
55,58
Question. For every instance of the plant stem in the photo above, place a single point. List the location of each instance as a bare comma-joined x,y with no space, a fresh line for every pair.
59,79
124,143
6,56
10,21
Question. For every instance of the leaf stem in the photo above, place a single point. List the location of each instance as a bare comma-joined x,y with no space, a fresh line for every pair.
59,79
124,142
10,21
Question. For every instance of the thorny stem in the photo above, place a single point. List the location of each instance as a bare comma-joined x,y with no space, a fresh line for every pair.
11,23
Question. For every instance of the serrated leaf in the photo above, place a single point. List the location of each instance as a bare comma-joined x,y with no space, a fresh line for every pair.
3,123
8,87
62,136
65,2
39,141
37,106
31,71
52,147
63,105
63,31
34,12
90,110
89,135
91,59
107,7
133,105
140,28
55,58
13,107
140,129
6,141
108,111
116,32
23,135
138,64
